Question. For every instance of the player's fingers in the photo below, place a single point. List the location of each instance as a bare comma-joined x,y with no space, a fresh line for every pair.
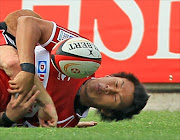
86,124
52,123
30,94
13,91
12,82
89,124
23,97
42,123
93,123
18,100
32,99
12,98
13,86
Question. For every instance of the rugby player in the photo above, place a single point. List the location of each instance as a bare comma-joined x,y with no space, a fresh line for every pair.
117,97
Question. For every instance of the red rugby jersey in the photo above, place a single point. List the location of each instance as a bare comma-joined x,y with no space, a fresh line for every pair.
58,34
4,95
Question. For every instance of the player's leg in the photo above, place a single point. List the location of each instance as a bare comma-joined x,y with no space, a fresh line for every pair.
9,61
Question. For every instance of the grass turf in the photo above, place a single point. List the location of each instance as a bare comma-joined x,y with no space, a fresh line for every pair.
149,125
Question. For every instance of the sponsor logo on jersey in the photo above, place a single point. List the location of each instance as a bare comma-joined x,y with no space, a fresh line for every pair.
64,35
42,66
42,69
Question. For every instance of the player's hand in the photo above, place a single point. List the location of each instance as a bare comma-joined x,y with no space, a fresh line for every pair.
47,116
22,84
86,124
17,113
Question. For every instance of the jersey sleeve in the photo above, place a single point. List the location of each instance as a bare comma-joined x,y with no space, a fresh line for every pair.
58,34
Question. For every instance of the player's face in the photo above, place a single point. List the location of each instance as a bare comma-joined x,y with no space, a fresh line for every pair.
110,92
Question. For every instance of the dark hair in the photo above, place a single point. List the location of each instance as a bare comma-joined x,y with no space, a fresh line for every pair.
139,101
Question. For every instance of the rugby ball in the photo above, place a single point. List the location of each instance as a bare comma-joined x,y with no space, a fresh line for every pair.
76,57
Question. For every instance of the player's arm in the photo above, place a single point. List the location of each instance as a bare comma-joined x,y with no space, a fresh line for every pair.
12,115
10,64
30,31
46,106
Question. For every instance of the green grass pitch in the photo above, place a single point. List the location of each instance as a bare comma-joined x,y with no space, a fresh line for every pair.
149,125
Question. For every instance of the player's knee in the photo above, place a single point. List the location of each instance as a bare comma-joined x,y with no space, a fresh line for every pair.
11,63
11,67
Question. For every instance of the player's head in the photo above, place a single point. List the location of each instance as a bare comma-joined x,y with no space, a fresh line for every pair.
117,97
